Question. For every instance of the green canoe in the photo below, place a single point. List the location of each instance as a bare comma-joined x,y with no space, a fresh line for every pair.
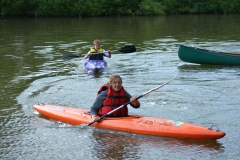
203,56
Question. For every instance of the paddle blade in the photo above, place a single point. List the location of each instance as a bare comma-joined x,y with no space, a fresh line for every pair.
128,49
69,56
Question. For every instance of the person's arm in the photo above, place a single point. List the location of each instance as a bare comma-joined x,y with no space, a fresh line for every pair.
107,53
98,104
87,55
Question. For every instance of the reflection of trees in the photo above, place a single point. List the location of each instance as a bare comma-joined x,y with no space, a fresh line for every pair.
119,145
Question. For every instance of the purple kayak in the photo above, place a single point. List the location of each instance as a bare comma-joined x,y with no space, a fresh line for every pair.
95,65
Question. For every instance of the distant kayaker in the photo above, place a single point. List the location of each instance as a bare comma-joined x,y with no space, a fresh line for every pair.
111,96
97,53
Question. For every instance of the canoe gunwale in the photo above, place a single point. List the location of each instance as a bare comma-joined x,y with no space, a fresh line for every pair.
215,52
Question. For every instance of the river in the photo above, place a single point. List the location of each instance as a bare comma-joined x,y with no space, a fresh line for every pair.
32,71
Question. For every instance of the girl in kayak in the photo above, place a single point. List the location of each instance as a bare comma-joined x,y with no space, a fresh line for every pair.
111,96
97,53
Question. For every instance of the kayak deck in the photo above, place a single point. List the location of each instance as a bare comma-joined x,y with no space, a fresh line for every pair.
95,65
132,124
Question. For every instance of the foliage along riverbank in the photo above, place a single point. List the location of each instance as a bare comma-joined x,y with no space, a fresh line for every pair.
91,8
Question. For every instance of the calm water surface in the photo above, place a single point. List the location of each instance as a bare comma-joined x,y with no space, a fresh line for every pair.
32,71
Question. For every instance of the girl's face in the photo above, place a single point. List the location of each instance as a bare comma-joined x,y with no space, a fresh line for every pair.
117,84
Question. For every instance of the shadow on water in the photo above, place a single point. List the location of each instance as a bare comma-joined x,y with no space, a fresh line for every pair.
204,67
116,144
94,74
125,145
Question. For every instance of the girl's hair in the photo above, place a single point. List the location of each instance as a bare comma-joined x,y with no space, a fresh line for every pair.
96,41
112,79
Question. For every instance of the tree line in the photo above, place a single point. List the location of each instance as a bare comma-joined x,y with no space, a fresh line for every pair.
93,8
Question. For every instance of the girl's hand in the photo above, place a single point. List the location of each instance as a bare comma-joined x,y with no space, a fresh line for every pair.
109,54
135,102
133,99
96,118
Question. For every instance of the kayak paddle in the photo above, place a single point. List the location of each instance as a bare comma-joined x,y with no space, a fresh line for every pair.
124,49
144,94
71,56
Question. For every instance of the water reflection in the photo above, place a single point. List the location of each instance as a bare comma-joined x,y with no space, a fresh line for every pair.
118,145
94,74
108,145
205,67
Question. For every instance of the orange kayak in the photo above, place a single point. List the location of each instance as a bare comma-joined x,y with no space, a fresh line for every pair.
132,124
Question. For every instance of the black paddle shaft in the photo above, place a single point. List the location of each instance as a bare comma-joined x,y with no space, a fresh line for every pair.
71,56
124,49
144,94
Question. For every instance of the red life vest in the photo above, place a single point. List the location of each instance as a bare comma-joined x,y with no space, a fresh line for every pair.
114,99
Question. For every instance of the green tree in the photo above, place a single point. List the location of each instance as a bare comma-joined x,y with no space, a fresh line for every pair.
74,8
150,7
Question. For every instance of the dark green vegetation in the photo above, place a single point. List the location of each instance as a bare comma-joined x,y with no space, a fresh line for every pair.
89,8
